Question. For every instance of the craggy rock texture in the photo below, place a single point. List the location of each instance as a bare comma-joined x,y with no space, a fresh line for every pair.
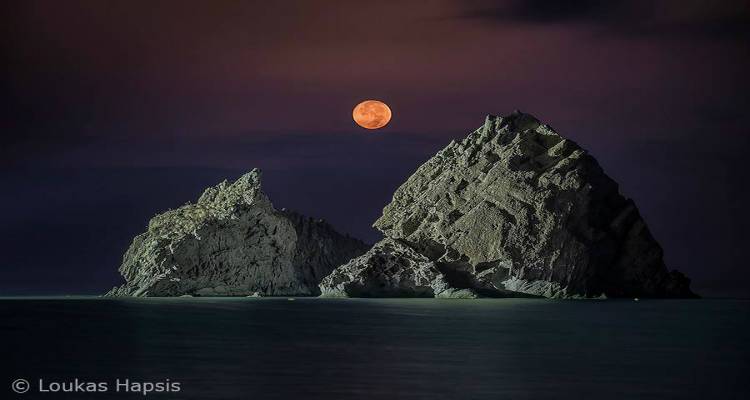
389,269
516,207
394,269
232,242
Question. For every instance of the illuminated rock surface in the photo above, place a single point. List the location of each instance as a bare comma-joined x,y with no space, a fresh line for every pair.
515,207
232,242
389,269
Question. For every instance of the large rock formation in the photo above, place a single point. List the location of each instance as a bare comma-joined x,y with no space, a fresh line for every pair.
516,207
232,242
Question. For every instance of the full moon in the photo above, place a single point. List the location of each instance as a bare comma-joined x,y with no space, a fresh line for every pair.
371,114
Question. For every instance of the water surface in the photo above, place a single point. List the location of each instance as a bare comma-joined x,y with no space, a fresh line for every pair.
272,348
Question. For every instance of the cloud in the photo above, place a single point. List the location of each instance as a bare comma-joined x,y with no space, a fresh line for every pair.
541,11
687,19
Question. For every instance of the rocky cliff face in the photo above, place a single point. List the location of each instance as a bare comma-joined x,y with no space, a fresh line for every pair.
392,268
389,269
232,242
515,207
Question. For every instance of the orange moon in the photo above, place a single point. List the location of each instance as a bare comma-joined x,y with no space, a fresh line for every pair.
371,114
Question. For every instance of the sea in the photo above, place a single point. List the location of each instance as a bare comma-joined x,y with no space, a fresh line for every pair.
312,348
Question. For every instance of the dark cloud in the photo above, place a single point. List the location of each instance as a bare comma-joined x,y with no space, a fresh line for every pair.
668,18
545,11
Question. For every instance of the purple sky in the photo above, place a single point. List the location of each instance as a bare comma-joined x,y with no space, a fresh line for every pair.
114,111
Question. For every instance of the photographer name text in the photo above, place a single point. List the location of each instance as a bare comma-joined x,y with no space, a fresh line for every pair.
119,385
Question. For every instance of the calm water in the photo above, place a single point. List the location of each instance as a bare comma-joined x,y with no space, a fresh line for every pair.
382,349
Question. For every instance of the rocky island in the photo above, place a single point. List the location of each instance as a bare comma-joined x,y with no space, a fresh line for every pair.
233,242
512,210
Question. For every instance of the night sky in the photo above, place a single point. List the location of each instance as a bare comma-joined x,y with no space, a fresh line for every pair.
114,111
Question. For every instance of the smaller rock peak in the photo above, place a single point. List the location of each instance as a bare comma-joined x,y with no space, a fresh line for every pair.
252,178
515,116
490,122
246,189
518,120
515,121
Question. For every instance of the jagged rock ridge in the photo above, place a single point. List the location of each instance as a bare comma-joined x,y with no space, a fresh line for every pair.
515,207
232,242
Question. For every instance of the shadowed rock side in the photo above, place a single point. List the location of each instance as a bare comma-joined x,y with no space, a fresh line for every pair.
232,242
516,207
389,269
394,269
